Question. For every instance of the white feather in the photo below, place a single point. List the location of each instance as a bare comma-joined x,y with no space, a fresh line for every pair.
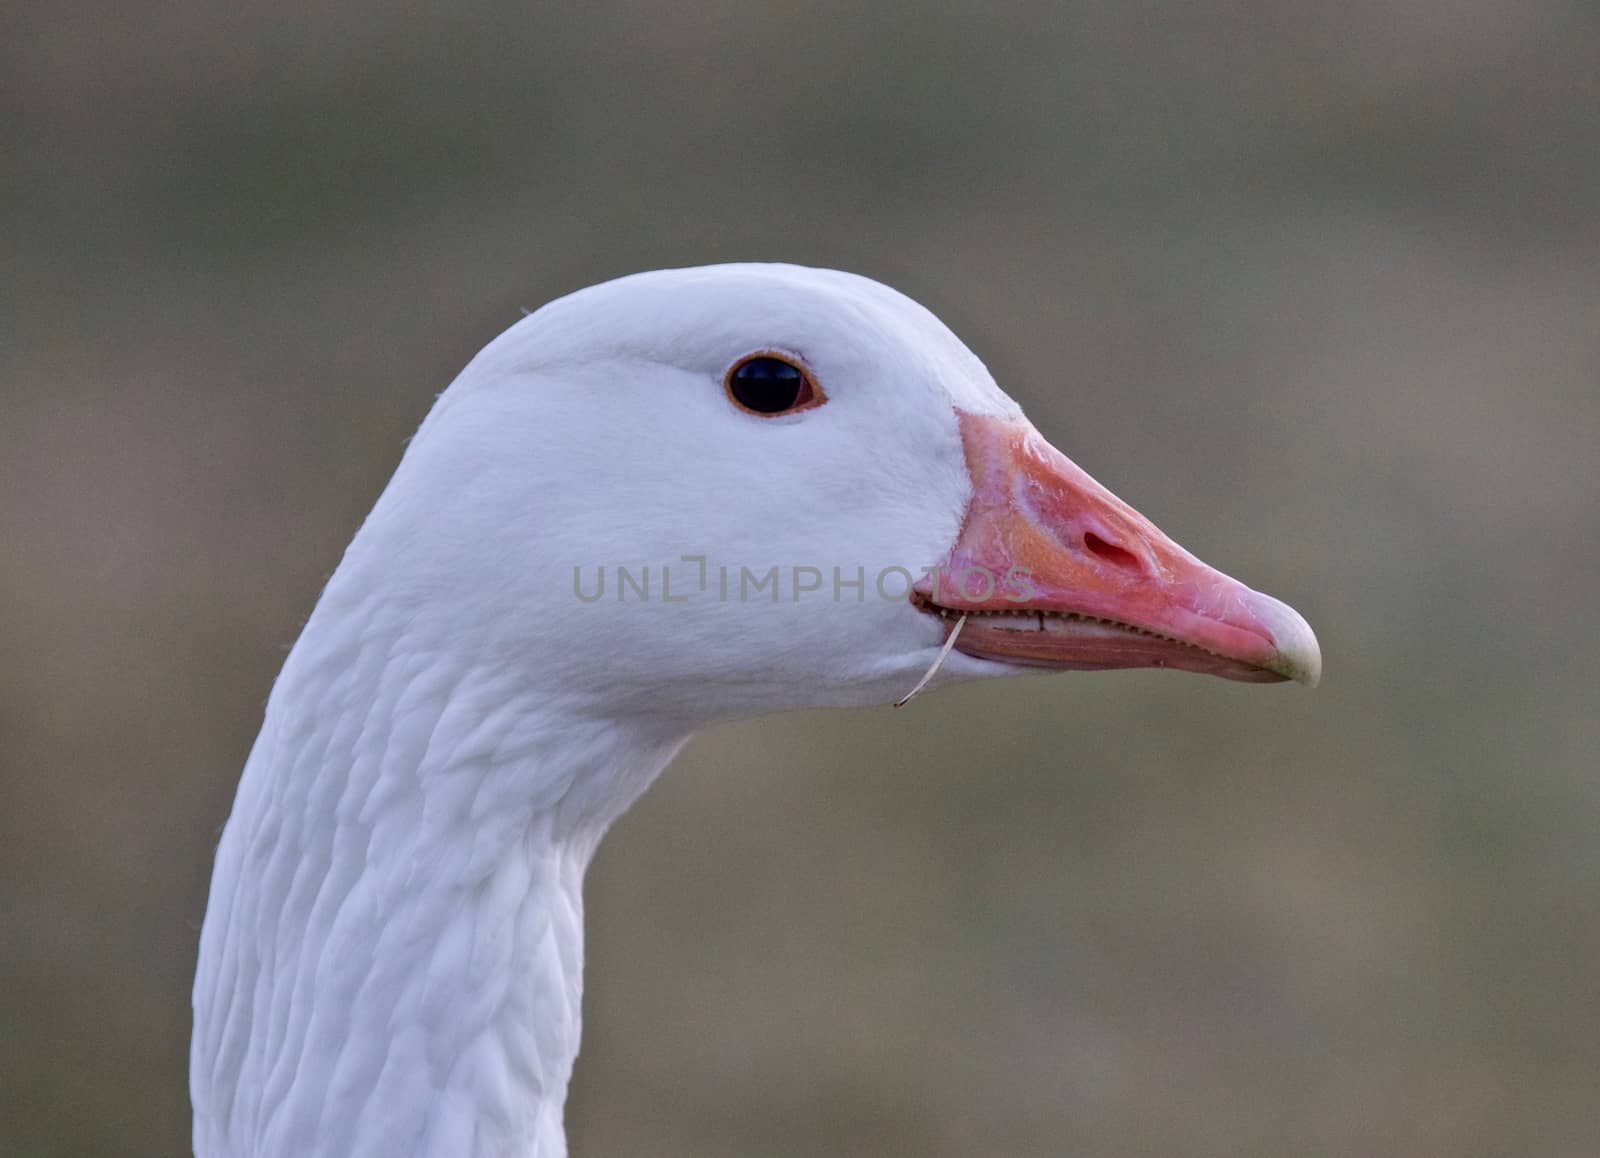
392,955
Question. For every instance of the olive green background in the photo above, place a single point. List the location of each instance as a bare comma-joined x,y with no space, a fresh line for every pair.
1315,286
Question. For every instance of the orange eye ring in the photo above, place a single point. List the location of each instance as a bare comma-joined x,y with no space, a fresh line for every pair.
769,383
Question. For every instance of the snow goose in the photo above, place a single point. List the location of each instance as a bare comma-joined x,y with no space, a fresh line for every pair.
672,499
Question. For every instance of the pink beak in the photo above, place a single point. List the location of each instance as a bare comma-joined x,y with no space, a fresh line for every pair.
1055,571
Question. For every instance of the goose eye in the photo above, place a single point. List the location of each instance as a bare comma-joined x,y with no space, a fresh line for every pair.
769,384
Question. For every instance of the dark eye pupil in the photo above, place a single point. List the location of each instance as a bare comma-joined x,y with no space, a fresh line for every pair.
767,385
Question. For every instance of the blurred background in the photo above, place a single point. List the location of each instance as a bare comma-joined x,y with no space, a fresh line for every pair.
1313,286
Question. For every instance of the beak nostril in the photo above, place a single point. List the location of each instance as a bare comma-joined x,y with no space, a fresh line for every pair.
1110,552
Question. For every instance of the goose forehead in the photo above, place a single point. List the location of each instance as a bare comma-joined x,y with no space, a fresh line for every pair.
700,319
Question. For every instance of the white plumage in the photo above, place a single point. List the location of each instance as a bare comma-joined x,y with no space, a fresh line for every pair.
391,961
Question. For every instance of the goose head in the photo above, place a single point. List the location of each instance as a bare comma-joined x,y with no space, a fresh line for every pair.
715,492
672,499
